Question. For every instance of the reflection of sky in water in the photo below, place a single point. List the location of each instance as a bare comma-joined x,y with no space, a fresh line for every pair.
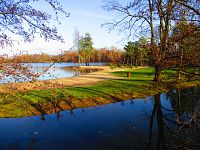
58,70
95,128
60,65
123,125
54,73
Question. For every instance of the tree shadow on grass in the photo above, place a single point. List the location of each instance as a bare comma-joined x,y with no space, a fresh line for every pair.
50,105
132,80
101,94
135,73
130,84
53,103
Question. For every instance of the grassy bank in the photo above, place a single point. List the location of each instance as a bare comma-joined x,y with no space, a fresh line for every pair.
140,84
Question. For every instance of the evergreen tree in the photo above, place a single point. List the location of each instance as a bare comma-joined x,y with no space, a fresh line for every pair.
86,48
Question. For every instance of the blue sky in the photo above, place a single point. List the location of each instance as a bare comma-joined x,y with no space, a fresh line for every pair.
86,16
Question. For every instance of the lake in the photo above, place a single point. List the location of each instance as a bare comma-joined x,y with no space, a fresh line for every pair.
57,70
138,124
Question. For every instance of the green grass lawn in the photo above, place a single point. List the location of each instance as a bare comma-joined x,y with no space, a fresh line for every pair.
52,100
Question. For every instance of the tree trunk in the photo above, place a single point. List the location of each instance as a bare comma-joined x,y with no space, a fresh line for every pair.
128,74
79,59
178,76
124,61
127,61
136,61
178,97
142,59
160,123
157,74
131,60
89,59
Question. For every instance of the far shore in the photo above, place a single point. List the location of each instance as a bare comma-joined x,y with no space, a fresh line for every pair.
104,73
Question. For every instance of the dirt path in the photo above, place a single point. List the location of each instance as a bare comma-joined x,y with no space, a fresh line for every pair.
81,80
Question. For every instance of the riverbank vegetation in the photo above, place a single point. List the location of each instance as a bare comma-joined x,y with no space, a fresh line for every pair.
53,100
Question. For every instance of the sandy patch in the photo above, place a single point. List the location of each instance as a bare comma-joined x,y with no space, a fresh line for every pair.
87,79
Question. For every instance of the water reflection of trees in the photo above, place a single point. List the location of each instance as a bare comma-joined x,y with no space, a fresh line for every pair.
80,71
185,100
170,127
31,145
174,126
177,128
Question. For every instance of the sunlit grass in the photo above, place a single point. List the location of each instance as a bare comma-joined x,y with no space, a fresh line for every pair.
140,84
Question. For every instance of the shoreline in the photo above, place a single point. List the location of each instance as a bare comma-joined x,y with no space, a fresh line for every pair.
89,104
110,88
81,80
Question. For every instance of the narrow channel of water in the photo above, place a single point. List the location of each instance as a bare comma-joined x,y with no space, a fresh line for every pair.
149,123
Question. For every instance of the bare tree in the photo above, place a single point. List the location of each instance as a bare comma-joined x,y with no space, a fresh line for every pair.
20,17
77,38
25,18
151,17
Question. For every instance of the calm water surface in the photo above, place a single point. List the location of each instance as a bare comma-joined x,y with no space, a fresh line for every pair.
148,123
61,70
57,70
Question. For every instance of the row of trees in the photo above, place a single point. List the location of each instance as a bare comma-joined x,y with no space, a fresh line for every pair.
136,53
172,27
182,55
112,54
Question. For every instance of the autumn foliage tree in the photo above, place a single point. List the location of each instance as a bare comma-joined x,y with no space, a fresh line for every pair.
185,47
153,18
112,54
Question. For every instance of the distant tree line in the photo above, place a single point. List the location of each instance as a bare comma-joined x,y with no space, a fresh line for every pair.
112,54
133,54
171,29
97,55
182,53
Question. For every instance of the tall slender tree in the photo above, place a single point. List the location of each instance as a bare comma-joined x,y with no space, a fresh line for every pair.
132,49
86,48
143,51
76,41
